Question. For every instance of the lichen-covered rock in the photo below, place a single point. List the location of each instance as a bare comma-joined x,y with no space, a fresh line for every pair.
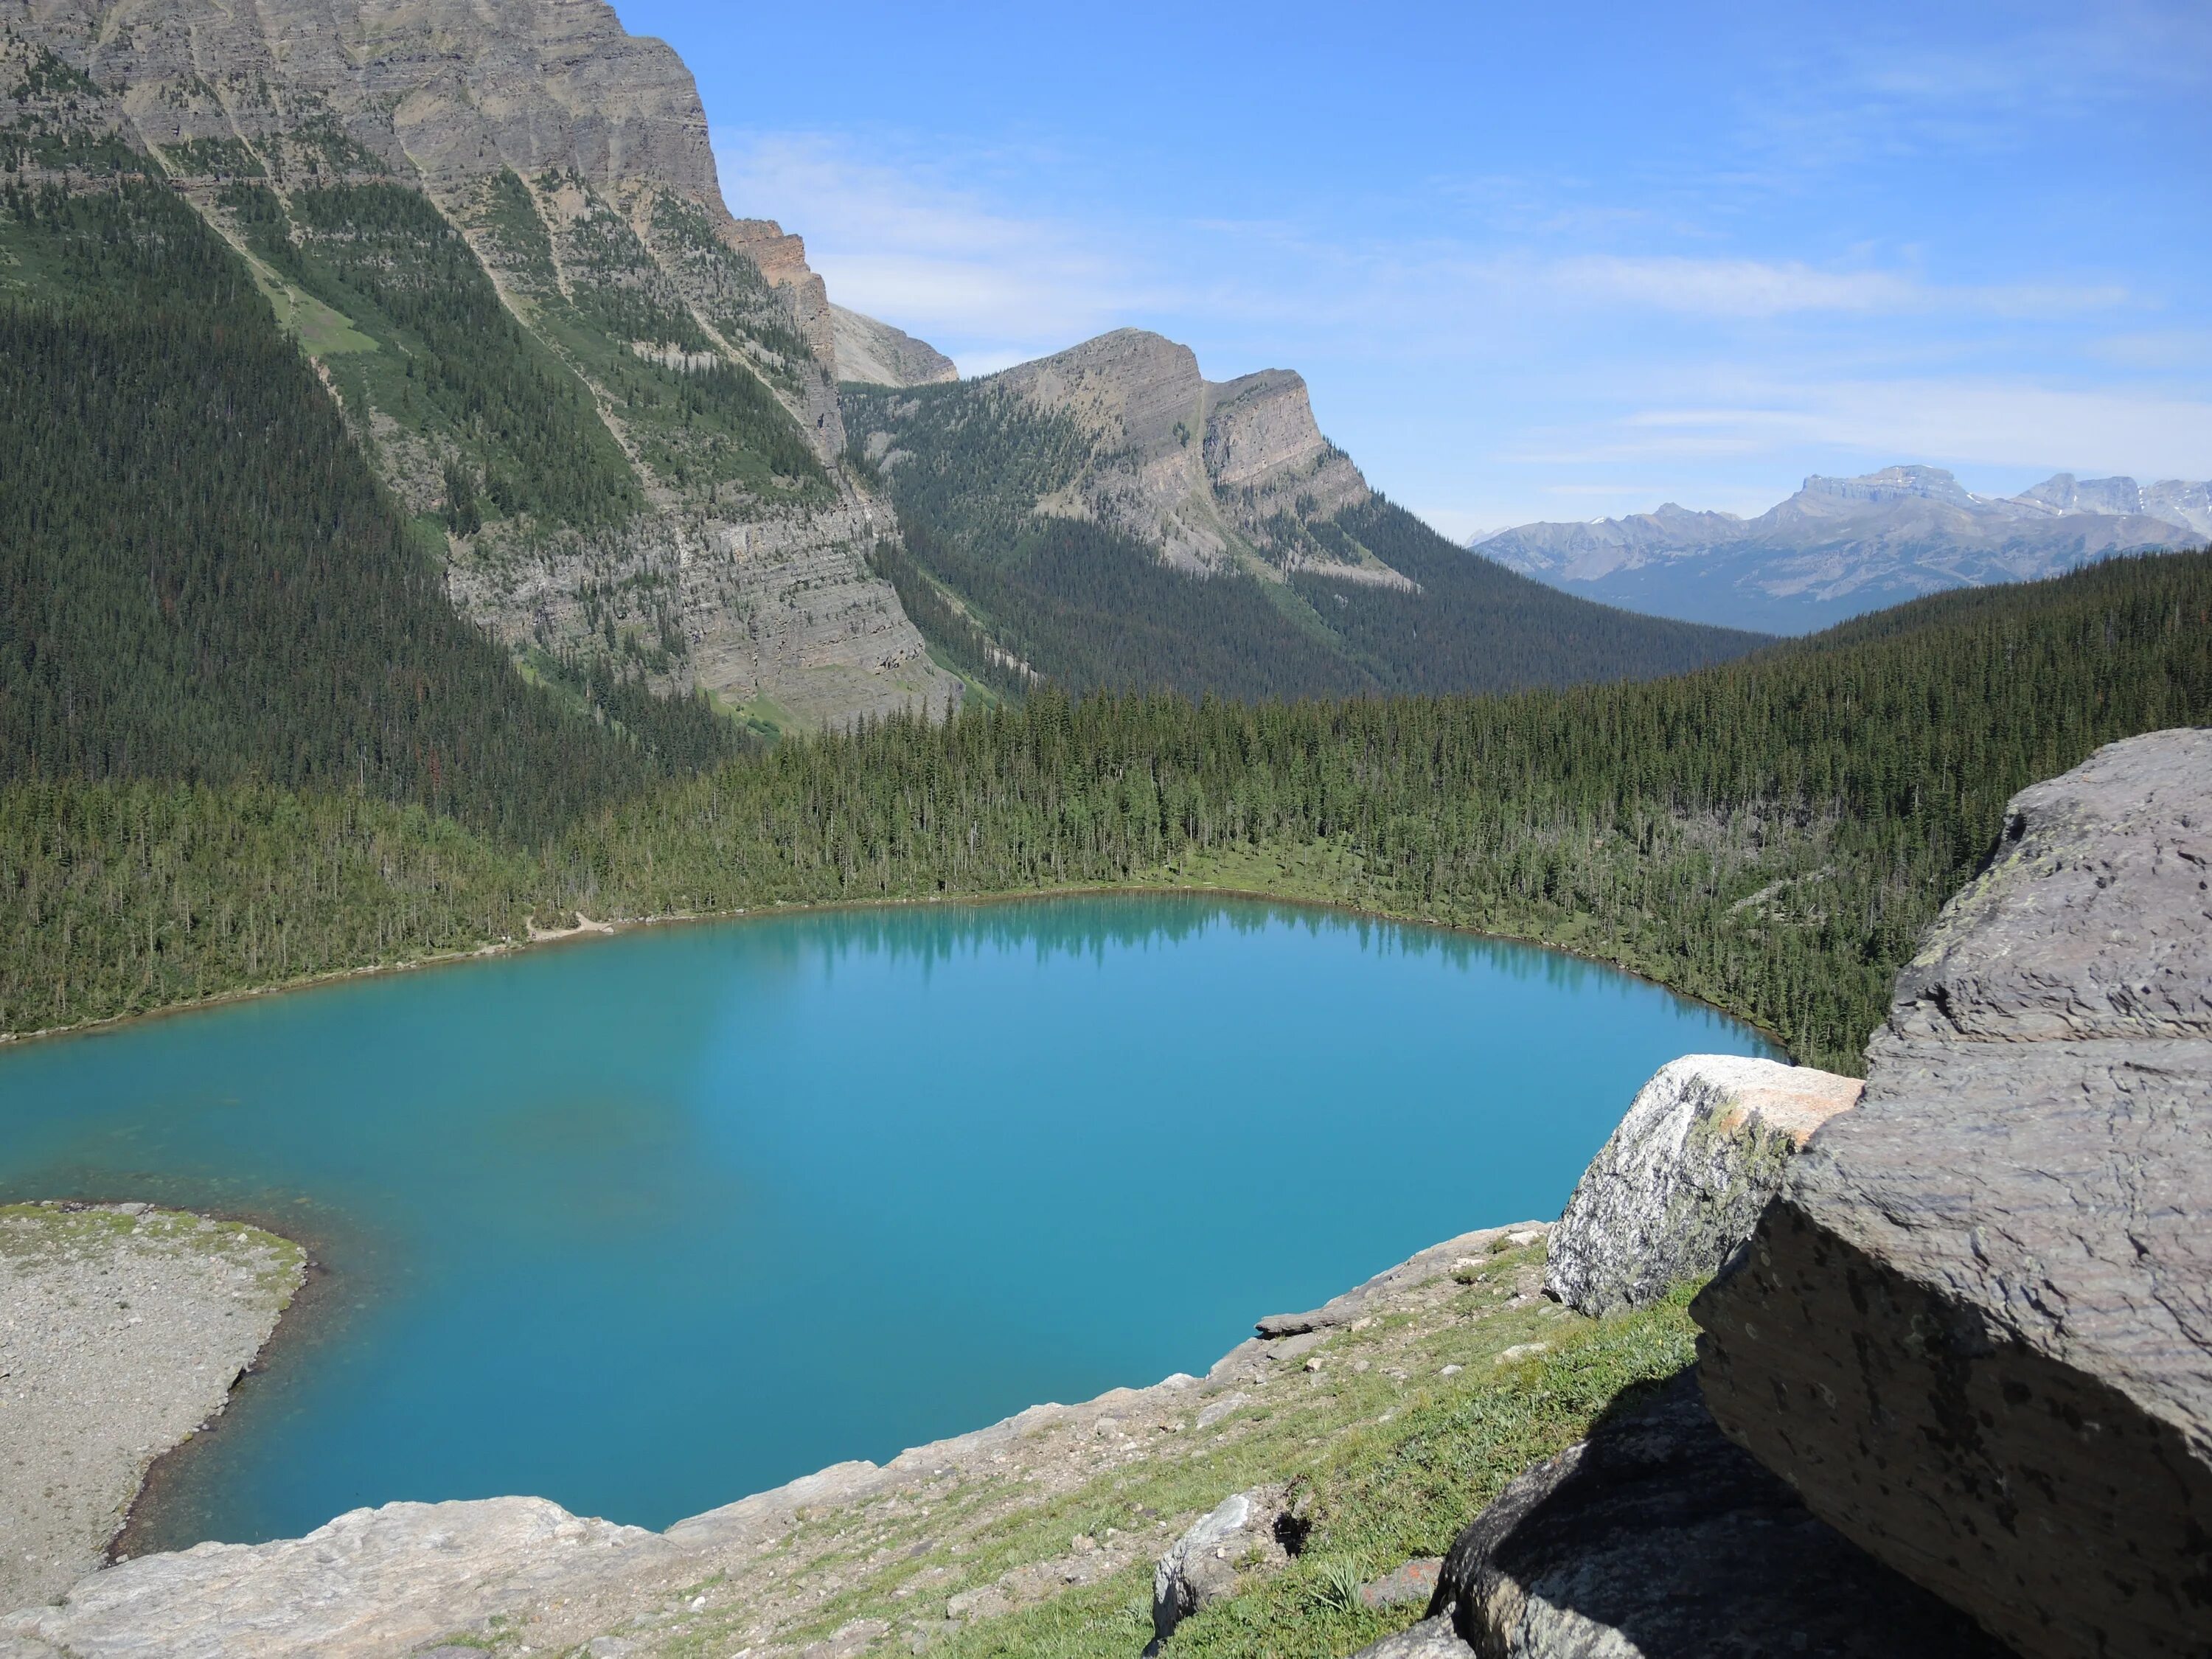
1251,1531
1656,1538
1682,1181
1975,1331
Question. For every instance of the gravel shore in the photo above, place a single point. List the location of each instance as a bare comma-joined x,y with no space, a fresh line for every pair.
122,1328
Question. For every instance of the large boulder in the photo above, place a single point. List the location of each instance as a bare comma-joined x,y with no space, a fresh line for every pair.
1975,1330
1684,1179
1657,1539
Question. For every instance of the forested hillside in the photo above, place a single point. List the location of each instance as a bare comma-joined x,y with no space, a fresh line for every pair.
1308,599
603,406
200,579
1771,834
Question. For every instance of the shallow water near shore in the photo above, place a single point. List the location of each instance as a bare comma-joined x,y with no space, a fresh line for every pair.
644,1224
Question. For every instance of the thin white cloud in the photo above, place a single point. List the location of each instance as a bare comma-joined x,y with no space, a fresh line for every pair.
1733,288
1756,288
992,287
1972,421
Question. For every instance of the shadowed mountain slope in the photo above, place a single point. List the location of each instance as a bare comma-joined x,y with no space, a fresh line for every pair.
607,406
1108,517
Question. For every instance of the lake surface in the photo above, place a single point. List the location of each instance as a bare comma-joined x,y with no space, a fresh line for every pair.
644,1224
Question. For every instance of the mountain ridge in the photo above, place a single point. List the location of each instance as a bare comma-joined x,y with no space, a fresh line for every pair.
573,160
1843,546
1107,516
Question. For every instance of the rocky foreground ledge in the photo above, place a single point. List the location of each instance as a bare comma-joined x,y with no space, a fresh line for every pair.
1976,1331
122,1329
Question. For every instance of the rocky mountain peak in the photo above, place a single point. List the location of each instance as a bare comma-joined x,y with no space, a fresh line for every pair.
876,353
2065,492
1196,467
1135,390
1892,484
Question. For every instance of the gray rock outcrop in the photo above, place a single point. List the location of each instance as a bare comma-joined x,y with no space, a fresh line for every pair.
1684,1178
373,1581
877,354
1657,1539
1975,1330
1249,1532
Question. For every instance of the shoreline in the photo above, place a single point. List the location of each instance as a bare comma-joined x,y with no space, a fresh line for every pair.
297,1323
589,929
131,1326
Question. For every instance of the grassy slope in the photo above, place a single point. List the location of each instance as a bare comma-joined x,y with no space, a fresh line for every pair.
1397,1474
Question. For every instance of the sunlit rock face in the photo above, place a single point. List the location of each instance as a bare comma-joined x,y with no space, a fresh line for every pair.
1975,1330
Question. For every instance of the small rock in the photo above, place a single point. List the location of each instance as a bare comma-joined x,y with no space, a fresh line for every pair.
1523,1350
1451,1370
1214,1411
1313,1364
1254,1530
1414,1582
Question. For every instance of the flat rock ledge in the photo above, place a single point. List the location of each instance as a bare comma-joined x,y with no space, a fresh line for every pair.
1657,1539
1683,1180
122,1329
1975,1330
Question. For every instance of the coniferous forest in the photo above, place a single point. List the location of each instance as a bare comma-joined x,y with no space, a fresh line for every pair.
1770,835
244,739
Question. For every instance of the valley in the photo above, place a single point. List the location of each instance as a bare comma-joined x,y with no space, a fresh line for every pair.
1841,547
743,910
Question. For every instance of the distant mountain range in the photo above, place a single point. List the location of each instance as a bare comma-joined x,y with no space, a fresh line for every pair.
1842,546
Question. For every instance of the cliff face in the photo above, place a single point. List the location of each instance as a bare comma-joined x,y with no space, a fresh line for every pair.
449,90
573,159
876,353
1213,474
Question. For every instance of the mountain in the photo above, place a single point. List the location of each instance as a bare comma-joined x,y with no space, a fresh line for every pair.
1842,546
1108,516
879,354
605,407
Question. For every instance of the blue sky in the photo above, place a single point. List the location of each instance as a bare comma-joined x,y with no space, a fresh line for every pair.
1535,262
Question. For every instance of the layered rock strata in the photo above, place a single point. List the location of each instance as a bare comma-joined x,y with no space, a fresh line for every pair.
1975,1329
1657,1539
1683,1180
607,212
1213,474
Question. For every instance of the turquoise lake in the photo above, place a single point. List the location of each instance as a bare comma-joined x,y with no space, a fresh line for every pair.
644,1224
